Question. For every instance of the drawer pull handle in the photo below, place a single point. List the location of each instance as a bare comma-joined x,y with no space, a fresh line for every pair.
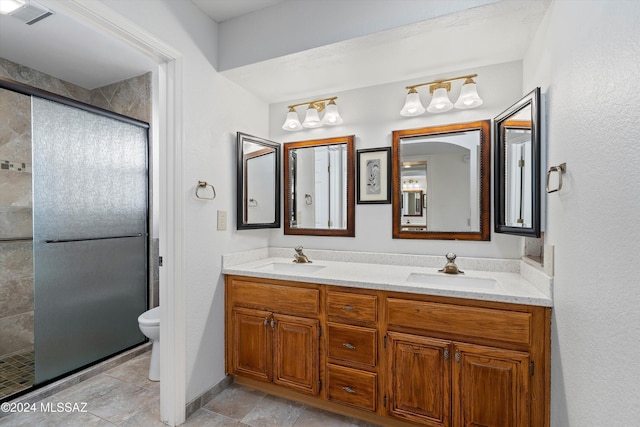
349,389
348,308
349,346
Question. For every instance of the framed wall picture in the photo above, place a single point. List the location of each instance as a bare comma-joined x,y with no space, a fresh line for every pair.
374,175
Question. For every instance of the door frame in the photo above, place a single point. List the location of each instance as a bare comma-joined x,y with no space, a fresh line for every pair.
167,128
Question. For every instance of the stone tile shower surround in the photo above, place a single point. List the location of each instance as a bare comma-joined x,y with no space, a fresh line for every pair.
130,97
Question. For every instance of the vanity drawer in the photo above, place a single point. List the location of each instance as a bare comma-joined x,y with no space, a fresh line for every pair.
352,344
347,307
271,296
495,324
352,387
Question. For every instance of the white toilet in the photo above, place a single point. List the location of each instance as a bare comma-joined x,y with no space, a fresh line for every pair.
149,323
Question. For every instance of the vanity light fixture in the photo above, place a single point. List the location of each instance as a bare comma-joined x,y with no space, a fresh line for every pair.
440,100
312,116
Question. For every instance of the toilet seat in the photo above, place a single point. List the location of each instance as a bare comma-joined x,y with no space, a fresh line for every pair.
150,318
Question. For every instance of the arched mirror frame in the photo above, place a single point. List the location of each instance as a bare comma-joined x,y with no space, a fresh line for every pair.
484,183
532,99
241,204
350,230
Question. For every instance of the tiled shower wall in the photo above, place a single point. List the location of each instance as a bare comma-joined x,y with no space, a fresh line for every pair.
130,97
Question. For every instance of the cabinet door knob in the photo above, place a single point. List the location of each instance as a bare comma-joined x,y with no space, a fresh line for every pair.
349,389
349,346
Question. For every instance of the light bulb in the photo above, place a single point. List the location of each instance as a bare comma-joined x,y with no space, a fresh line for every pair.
440,101
412,105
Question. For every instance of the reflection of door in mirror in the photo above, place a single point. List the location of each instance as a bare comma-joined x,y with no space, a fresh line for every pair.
259,183
517,169
517,140
320,187
319,175
456,197
414,190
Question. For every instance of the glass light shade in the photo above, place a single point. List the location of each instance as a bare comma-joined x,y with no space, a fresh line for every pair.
331,115
8,6
312,119
292,122
412,105
468,96
440,101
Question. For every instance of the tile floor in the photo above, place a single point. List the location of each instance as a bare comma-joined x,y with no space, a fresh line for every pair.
16,373
123,396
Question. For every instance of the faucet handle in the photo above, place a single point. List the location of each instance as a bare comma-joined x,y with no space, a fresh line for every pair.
451,267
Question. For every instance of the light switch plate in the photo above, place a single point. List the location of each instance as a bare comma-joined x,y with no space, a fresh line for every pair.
222,220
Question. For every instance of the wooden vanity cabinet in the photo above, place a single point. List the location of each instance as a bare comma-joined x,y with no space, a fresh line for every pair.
467,363
352,349
265,342
395,359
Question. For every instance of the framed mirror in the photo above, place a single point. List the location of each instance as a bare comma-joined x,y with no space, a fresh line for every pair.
518,168
258,183
445,170
320,187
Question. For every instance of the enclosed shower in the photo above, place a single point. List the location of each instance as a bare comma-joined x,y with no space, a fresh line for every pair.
73,235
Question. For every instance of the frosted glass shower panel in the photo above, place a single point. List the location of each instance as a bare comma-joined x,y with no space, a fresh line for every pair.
91,179
89,295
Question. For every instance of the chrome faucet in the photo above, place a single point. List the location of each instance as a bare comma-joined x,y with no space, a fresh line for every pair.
451,267
299,257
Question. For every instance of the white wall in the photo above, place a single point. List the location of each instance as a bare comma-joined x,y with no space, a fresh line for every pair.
371,114
213,109
585,58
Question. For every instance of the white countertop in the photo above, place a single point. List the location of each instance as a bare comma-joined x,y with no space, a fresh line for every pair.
510,287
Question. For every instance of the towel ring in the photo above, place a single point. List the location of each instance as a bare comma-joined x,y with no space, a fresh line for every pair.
561,169
202,185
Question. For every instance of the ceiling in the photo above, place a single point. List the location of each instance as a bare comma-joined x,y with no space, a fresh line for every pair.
222,10
495,33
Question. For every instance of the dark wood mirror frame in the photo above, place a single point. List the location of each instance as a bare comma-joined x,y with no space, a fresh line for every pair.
350,230
484,185
532,99
241,190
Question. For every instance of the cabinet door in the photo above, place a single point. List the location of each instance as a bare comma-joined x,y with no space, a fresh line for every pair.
296,356
419,388
490,387
252,343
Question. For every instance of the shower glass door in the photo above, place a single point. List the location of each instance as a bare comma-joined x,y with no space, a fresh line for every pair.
90,183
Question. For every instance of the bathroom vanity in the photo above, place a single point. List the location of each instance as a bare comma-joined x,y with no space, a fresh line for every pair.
395,345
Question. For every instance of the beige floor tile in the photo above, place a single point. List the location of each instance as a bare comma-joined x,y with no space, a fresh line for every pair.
274,411
109,398
49,419
235,401
205,418
314,417
136,372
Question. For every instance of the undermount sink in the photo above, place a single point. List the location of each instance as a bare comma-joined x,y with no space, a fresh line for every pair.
455,281
290,267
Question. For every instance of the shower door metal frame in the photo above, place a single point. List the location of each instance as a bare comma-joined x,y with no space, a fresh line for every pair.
25,89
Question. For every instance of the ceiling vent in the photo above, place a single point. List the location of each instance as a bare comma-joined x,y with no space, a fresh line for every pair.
31,13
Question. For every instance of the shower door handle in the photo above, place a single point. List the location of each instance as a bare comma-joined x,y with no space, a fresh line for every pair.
92,238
